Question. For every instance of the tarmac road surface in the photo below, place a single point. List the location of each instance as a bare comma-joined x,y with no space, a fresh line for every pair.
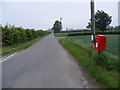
43,65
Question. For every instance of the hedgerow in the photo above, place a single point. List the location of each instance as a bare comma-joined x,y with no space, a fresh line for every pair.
12,35
89,33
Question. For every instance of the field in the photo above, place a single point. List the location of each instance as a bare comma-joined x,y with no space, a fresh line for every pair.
111,47
85,41
61,34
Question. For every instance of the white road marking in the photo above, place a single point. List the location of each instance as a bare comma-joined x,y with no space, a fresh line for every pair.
2,59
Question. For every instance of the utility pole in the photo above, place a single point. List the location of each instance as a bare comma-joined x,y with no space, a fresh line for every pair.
60,19
93,21
61,23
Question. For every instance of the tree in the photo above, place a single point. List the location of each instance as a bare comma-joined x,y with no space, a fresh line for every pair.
89,25
102,20
57,27
119,27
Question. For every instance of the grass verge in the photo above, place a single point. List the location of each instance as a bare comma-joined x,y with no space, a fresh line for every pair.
19,46
107,79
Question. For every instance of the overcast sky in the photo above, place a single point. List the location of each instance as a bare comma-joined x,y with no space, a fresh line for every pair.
42,15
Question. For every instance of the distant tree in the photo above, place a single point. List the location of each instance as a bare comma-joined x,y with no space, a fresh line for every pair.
113,27
57,27
102,20
119,27
89,25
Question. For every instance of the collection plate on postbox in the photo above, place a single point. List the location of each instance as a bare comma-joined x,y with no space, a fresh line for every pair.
100,43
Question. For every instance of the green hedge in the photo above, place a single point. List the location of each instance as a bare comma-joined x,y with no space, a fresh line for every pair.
89,33
12,35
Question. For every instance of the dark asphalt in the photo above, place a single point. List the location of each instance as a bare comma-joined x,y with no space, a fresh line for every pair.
43,65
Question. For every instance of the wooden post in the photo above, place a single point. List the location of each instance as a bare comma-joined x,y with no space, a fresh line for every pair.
99,52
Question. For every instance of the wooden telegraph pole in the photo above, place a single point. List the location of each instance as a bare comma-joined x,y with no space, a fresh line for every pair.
61,23
93,21
60,19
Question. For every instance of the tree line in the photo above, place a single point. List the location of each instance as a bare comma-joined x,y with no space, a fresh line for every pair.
12,35
102,22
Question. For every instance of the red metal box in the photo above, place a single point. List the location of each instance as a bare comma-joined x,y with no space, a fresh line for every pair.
100,43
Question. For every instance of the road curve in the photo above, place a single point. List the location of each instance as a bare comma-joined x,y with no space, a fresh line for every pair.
43,65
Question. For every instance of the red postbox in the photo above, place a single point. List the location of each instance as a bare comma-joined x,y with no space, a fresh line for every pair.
100,43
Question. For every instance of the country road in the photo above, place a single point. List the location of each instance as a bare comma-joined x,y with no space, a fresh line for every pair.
43,65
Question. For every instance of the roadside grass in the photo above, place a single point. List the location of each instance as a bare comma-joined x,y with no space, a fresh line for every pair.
20,46
107,78
61,34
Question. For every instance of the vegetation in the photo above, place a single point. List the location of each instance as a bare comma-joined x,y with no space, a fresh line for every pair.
17,38
57,27
112,42
103,67
113,27
108,78
109,32
109,57
102,20
85,32
61,34
109,29
18,46
12,35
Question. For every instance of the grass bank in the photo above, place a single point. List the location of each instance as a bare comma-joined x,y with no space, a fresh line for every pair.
19,46
106,78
